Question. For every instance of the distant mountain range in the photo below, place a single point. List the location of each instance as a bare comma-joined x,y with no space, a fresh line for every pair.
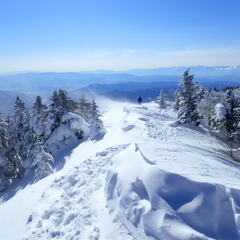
150,90
115,85
49,81
198,71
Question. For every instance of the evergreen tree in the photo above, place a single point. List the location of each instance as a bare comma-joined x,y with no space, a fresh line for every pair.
67,103
84,107
56,101
5,166
231,101
96,128
218,118
201,92
236,131
60,105
231,113
161,99
25,135
176,100
39,107
228,101
19,134
54,115
188,100
41,161
38,117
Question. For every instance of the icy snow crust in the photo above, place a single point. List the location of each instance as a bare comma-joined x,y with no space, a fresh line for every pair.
148,178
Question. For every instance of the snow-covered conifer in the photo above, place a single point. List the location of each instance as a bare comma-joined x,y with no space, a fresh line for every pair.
39,107
84,107
41,161
60,105
228,101
38,116
236,130
218,118
188,100
19,135
96,128
54,115
176,100
66,102
161,99
201,92
228,123
25,135
5,166
56,101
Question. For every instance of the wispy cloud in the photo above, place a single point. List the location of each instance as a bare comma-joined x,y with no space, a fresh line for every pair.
127,52
201,52
101,53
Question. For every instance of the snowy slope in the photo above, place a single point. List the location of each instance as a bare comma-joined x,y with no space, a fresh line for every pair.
146,179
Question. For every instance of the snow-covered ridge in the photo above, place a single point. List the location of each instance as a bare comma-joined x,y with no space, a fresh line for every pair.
148,178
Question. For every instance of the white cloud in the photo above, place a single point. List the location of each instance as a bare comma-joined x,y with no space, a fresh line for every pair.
226,56
202,52
101,53
127,52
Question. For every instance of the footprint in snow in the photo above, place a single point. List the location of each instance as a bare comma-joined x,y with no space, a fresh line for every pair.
72,210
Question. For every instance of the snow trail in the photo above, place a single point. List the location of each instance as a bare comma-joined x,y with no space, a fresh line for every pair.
72,206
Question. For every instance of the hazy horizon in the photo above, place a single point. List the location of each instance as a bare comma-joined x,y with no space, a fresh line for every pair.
206,71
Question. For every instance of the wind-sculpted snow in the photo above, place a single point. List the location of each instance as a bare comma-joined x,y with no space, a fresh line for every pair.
164,205
127,127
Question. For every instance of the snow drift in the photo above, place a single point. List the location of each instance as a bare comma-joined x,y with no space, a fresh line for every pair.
166,205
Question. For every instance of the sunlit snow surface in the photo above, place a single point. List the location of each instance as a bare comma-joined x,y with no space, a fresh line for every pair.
148,178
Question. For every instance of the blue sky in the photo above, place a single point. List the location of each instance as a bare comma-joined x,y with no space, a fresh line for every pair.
83,35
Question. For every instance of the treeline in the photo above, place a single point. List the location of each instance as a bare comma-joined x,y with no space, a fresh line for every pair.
218,110
29,139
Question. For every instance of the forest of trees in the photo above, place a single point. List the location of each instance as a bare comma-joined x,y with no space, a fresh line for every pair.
218,110
29,139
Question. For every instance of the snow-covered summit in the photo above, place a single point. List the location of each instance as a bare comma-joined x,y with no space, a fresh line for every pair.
148,178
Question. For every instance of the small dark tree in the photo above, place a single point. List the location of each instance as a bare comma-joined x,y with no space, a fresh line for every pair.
54,114
176,100
67,104
39,107
84,107
38,117
96,128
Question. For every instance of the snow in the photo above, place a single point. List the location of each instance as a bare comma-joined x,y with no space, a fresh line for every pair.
69,131
148,178
220,111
